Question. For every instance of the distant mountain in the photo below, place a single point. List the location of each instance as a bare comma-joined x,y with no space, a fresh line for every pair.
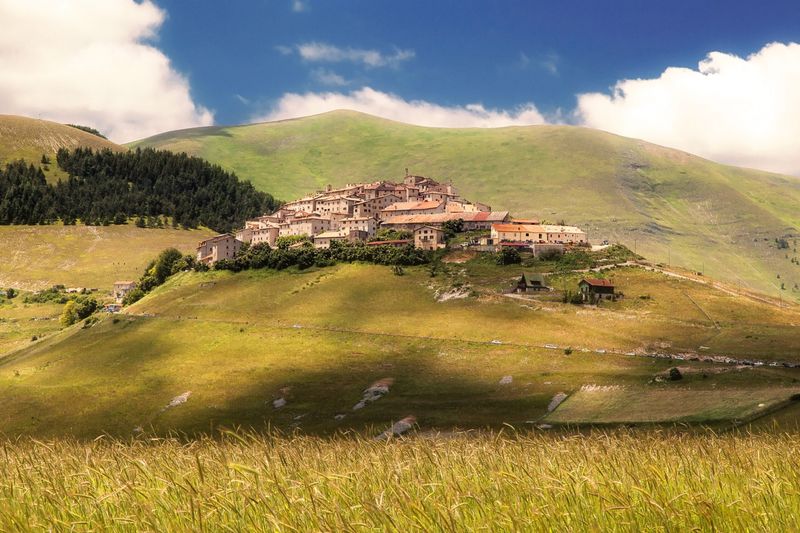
669,205
30,138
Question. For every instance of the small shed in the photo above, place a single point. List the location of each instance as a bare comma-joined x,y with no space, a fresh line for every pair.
593,288
531,281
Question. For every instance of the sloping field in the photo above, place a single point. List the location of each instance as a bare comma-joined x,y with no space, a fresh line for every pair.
616,405
30,138
218,349
668,205
36,257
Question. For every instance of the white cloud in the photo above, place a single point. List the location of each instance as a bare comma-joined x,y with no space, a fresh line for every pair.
386,105
88,62
298,6
328,77
327,53
742,111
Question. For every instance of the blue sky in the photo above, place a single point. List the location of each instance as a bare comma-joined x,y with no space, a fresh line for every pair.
501,54
718,79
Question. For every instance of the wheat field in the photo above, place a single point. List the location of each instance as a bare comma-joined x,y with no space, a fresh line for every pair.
620,481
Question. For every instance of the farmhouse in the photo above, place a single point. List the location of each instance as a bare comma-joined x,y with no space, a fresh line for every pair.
538,233
223,246
429,238
531,282
594,289
122,288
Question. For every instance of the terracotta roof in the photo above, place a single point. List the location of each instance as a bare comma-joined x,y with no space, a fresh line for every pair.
217,238
438,218
398,241
525,221
594,282
517,228
412,206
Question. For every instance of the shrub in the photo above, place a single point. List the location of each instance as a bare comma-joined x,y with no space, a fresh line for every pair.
675,374
508,256
78,309
11,293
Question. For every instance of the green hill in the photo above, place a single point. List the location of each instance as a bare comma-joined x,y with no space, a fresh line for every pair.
30,138
37,257
218,349
668,205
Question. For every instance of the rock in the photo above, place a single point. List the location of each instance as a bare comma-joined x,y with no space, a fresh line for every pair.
556,401
398,428
280,402
359,405
506,380
340,416
178,400
545,426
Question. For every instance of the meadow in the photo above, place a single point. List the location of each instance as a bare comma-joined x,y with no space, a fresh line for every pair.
610,481
38,257
665,204
217,349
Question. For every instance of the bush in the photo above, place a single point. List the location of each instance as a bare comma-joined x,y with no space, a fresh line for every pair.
11,293
508,256
675,374
78,309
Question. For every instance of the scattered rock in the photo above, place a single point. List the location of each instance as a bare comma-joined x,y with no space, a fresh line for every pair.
278,403
556,401
298,417
453,294
398,428
138,429
545,426
506,380
177,400
340,416
374,392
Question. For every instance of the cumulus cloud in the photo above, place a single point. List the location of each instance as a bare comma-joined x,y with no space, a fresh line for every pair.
90,62
742,111
328,77
318,52
393,107
298,6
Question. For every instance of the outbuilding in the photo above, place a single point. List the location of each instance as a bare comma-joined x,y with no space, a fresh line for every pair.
595,289
531,282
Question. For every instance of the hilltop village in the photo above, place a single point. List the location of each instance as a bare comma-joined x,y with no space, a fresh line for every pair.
419,210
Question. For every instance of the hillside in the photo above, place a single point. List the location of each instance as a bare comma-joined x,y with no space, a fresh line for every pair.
668,205
30,138
219,349
37,257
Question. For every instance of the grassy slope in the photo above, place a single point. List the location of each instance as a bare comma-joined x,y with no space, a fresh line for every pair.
36,257
30,138
231,341
669,205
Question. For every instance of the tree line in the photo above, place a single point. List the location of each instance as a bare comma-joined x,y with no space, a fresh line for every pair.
105,187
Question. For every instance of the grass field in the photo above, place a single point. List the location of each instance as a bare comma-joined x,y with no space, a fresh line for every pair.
30,138
21,322
641,481
231,344
37,257
667,205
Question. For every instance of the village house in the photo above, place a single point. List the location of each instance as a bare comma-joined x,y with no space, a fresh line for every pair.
531,282
307,225
366,224
374,206
223,246
259,233
537,233
412,208
336,204
593,289
476,220
429,238
122,288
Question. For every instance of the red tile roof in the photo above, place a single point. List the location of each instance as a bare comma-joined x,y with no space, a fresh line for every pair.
594,282
398,241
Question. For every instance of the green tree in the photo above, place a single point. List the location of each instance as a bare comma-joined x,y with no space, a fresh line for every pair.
508,256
